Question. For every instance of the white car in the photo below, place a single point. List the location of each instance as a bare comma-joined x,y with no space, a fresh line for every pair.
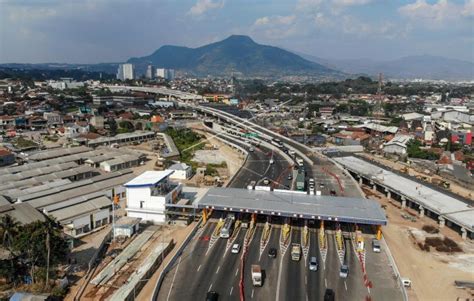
272,161
235,248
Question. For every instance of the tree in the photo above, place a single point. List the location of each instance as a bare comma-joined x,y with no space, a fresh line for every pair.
138,126
9,227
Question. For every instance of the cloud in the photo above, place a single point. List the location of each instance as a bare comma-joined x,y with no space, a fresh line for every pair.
275,20
437,13
203,6
350,2
468,9
276,27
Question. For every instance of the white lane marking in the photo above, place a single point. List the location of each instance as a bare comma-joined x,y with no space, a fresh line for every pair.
174,277
305,280
218,268
236,272
252,293
231,289
279,279
199,267
210,286
345,285
325,282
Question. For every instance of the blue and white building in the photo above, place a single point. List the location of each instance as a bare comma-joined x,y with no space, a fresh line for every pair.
148,193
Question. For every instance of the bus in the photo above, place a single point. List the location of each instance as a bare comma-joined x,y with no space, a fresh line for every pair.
226,230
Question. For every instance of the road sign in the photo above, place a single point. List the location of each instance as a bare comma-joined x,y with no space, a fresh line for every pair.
249,135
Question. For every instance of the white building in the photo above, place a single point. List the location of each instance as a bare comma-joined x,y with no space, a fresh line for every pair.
149,72
74,130
168,74
126,71
182,171
148,193
398,145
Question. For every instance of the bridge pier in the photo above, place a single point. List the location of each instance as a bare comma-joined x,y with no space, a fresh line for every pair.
389,194
404,202
360,181
422,211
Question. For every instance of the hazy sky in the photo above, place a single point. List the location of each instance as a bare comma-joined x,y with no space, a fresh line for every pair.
91,31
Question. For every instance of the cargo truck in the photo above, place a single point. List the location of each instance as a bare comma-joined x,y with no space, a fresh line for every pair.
295,252
256,275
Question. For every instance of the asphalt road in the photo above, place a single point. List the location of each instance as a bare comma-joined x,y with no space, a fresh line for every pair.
202,268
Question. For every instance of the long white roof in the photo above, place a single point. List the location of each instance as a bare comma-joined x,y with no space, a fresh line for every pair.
149,178
440,203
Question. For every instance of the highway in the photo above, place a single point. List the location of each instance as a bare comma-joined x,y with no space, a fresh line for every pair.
207,264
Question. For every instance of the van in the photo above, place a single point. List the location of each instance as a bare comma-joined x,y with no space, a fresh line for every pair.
376,246
406,282
313,264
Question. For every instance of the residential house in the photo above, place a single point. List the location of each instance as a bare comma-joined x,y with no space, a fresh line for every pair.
182,171
397,146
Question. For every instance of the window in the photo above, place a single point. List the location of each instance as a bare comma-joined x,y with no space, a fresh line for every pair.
98,224
105,221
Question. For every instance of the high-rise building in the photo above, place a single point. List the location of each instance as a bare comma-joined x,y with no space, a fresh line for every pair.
161,72
125,71
149,72
168,74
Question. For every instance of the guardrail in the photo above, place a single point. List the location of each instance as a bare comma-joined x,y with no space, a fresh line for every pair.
178,253
395,269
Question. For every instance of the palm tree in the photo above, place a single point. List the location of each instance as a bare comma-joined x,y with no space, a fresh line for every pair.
49,228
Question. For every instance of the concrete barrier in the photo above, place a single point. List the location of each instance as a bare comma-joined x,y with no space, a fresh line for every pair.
166,269
395,269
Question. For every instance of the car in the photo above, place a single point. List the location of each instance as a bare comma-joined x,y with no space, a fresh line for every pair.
344,272
311,181
313,264
329,295
272,161
333,192
290,177
321,185
251,149
235,248
266,181
272,253
376,246
212,296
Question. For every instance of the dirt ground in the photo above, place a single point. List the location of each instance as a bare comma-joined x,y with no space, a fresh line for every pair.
432,273
163,234
455,188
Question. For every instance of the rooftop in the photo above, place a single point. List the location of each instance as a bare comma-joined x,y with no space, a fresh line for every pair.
294,204
149,178
450,207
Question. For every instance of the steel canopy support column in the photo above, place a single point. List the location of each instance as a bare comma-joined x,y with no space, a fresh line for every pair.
404,202
322,224
422,211
442,221
254,217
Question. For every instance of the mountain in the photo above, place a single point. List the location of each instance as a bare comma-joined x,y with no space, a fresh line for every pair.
236,54
409,67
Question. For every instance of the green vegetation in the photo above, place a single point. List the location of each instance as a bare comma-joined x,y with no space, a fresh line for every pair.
34,250
355,108
187,143
414,151
125,127
21,143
